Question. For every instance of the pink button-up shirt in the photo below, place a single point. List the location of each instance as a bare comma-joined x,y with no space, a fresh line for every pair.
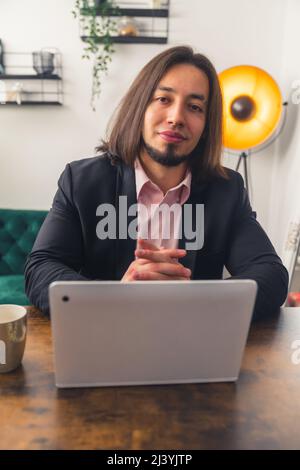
154,223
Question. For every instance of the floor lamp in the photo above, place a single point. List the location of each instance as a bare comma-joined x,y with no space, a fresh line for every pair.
252,110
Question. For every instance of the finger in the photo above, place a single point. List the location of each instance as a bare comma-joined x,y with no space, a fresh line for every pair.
153,276
141,261
169,269
146,245
170,255
137,262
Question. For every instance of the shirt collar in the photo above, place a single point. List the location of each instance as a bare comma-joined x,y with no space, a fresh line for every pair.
141,179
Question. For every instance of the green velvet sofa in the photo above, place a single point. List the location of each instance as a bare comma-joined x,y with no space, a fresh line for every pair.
18,230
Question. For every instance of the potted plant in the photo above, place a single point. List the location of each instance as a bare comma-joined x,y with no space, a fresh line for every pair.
95,24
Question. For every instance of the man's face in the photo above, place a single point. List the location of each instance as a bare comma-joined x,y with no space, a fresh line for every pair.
175,117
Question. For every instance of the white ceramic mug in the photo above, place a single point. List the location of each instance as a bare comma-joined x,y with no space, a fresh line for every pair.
13,329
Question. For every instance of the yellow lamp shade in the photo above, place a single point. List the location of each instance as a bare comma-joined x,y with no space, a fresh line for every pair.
252,106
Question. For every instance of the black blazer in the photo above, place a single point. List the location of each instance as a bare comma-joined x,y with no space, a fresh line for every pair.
67,247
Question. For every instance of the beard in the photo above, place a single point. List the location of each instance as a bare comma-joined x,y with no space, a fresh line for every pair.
168,157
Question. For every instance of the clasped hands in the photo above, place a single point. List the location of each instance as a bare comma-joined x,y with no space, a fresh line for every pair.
156,264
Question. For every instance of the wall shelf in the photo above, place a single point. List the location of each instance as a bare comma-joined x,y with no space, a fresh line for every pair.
28,77
132,39
152,23
22,85
32,103
139,12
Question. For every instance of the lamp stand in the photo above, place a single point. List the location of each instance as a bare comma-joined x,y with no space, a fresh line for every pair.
243,157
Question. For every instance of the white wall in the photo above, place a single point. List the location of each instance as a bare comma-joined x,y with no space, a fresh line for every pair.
36,143
285,196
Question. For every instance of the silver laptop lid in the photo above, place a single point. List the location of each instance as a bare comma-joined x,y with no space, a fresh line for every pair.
157,332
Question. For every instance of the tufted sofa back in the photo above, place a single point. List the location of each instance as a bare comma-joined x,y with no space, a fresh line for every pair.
18,231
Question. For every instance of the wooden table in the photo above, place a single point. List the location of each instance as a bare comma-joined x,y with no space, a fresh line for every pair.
261,411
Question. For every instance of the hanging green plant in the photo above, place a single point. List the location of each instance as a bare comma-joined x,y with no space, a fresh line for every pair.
98,29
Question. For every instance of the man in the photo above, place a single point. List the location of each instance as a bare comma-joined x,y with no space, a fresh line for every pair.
164,148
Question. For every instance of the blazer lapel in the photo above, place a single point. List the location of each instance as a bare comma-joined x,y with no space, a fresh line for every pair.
125,247
196,197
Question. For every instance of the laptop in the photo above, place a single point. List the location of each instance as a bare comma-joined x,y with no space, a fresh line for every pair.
108,333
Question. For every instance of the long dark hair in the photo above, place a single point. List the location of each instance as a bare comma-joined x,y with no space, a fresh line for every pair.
125,141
